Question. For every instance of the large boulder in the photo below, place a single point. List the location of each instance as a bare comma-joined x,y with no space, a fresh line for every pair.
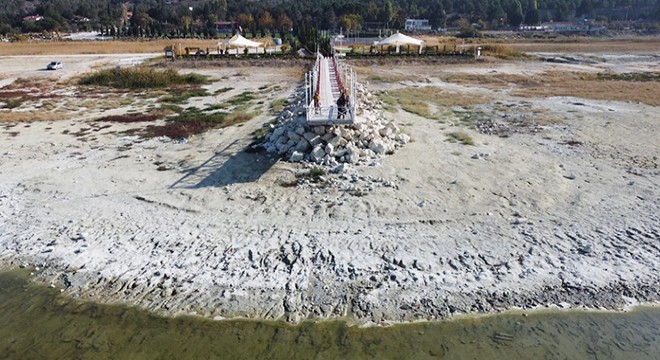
296,156
317,154
377,146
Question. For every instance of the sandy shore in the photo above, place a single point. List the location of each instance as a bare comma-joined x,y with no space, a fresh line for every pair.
563,212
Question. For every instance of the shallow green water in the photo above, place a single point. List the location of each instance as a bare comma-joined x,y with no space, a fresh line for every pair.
39,323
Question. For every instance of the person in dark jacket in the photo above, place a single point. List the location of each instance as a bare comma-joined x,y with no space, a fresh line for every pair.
341,106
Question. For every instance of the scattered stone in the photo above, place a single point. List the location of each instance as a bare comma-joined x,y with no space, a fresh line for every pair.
520,221
360,143
296,156
585,249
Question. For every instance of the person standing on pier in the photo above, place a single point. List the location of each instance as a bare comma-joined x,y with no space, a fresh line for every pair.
317,102
341,106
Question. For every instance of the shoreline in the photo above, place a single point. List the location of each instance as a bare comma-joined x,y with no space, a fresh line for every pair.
31,276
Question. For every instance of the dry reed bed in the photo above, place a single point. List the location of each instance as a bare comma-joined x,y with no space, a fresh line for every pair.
589,45
561,83
55,47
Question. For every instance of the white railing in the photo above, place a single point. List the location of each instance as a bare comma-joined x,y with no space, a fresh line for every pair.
328,115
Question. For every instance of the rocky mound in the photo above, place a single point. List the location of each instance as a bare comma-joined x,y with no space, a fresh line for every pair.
370,137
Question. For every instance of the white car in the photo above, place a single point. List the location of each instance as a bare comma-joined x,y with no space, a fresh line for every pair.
54,65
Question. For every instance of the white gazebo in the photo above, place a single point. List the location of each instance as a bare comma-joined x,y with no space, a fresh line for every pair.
399,39
236,42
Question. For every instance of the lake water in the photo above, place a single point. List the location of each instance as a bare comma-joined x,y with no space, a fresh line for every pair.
37,322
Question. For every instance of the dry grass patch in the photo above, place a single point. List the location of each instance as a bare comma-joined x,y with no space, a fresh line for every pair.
589,45
500,51
381,75
416,100
30,116
495,81
128,118
638,87
237,117
141,78
589,86
97,47
461,137
192,122
278,105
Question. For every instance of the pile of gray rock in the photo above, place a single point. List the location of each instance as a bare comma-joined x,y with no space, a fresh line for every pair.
370,137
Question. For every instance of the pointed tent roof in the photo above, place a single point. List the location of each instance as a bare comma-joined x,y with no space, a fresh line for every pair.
238,41
399,39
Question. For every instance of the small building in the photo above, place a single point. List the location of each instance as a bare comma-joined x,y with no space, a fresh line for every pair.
225,27
32,18
417,25
80,19
585,26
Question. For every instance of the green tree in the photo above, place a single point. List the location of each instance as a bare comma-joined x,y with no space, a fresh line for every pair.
532,14
351,22
372,11
515,13
586,8
388,13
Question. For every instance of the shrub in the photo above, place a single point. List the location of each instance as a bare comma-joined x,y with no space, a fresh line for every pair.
241,98
317,172
128,118
278,105
193,122
180,96
461,137
223,90
141,78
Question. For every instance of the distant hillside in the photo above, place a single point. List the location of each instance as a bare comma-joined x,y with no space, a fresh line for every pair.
208,17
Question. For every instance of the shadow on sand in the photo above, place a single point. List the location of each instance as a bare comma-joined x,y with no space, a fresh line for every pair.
227,167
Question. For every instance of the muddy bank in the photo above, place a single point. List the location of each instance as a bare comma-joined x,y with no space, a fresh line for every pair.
39,322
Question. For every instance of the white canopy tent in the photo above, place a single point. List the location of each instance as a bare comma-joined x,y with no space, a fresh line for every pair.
238,41
399,39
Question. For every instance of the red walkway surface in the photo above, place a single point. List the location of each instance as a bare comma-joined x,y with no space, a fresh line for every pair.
328,84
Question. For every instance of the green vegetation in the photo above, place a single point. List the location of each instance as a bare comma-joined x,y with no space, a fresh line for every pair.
180,96
214,107
194,121
389,101
171,107
428,101
223,90
128,118
316,172
141,78
261,132
12,103
278,105
242,98
461,137
646,76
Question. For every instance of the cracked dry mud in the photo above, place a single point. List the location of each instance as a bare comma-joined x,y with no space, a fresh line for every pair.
566,215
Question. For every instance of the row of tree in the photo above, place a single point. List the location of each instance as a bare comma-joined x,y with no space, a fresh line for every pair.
201,18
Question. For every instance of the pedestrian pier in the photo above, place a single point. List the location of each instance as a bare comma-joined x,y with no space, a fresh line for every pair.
329,78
